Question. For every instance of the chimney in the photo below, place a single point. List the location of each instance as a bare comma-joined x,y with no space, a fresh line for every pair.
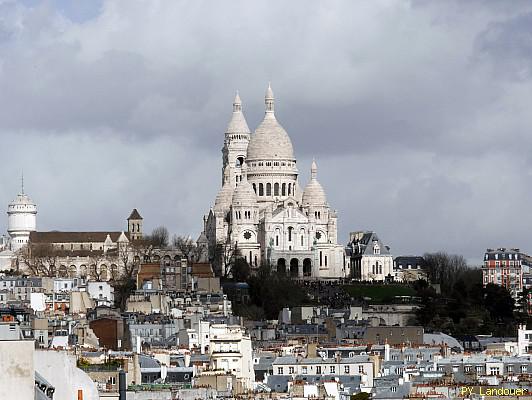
122,385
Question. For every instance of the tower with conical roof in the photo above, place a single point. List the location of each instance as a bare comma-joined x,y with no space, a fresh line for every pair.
21,219
235,144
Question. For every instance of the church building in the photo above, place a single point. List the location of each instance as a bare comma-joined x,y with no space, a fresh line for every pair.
261,213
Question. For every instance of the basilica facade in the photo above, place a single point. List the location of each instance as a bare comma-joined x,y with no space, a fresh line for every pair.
261,213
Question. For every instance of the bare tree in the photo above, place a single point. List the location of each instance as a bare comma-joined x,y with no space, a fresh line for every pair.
94,270
444,268
186,246
131,256
40,259
225,255
159,237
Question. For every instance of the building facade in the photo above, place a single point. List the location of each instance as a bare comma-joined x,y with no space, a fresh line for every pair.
409,268
261,213
370,259
503,267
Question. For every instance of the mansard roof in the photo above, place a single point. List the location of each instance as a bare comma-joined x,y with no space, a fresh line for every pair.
362,244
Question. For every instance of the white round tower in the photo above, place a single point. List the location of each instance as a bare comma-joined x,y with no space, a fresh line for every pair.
21,220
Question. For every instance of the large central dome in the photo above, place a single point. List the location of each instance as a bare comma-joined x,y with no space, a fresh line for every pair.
270,141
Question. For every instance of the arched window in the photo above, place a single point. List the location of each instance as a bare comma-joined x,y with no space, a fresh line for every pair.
302,240
290,229
277,240
289,189
261,189
321,258
255,188
283,189
268,189
276,189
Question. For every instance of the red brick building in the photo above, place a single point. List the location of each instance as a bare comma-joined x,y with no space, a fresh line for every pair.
503,267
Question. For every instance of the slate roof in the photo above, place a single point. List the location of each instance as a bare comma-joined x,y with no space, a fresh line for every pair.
134,215
288,360
364,245
402,262
148,362
72,237
441,338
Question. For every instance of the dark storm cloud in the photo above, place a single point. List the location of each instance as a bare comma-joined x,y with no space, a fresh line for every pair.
417,112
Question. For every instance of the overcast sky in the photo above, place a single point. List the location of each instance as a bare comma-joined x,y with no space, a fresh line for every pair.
418,113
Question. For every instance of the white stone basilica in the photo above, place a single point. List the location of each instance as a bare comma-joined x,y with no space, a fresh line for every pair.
261,210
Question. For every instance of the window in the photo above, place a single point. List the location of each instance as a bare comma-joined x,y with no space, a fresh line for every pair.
290,233
321,258
318,369
360,369
346,369
289,189
283,189
280,371
277,240
261,189
268,189
304,370
325,260
393,389
332,368
276,189
290,370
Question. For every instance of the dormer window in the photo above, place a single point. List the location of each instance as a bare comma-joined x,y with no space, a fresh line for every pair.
376,248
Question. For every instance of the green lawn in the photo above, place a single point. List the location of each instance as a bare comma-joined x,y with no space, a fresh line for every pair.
379,293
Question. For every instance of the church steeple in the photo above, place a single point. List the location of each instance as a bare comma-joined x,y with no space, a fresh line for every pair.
235,144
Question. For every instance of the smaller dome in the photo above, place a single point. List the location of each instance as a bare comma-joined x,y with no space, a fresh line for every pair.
244,194
224,196
314,195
